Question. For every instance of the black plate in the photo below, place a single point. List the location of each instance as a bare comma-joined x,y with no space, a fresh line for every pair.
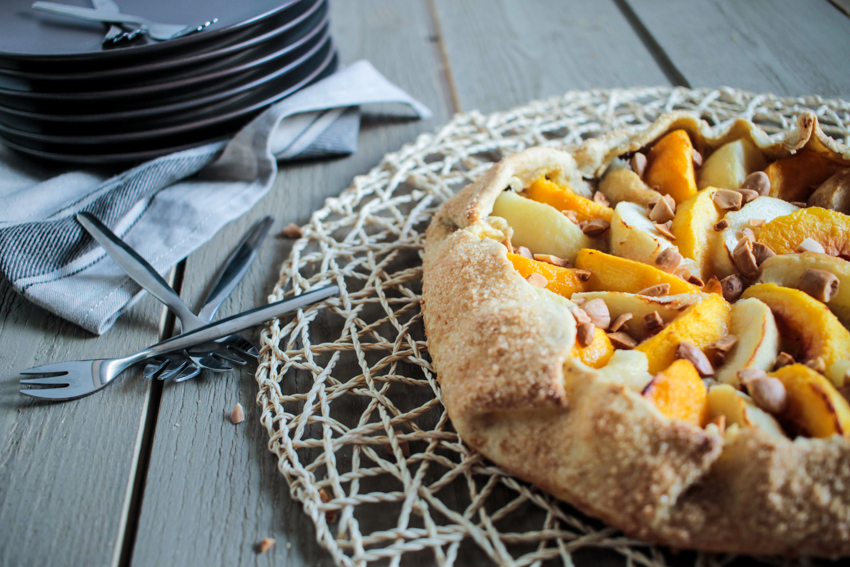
38,41
282,28
203,130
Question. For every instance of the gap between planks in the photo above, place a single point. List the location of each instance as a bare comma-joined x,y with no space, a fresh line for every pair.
657,52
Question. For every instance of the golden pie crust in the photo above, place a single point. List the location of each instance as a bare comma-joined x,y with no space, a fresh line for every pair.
513,392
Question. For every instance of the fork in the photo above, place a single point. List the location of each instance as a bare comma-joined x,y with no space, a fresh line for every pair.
145,275
159,32
83,377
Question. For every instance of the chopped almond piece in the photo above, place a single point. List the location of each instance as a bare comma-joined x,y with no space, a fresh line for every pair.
664,229
784,359
537,280
596,227
655,290
598,197
720,348
292,231
748,195
733,287
727,200
620,321
554,260
768,393
810,245
721,225
525,252
744,258
570,215
695,280
585,333
662,212
697,158
579,314
696,357
759,182
598,312
654,323
757,223
817,364
668,260
583,275
265,544
638,163
820,284
237,415
762,252
622,340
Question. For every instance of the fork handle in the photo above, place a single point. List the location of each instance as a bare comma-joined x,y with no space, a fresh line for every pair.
90,14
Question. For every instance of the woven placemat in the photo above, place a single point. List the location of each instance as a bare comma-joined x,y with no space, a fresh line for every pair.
349,397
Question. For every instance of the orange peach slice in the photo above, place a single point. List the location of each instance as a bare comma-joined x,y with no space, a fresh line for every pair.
693,230
552,194
700,325
610,273
679,393
563,281
739,409
807,327
830,228
597,353
670,166
795,178
814,407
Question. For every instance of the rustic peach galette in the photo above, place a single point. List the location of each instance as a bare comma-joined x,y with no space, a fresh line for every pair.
653,327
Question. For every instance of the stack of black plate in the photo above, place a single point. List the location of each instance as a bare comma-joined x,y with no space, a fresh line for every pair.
65,96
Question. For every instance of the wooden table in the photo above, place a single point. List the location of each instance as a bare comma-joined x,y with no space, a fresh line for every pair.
149,475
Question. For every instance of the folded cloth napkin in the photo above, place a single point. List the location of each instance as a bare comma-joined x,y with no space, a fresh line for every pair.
169,206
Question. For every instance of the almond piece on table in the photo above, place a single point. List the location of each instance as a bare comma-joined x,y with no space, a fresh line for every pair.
596,227
762,252
784,359
621,320
600,198
265,544
537,280
732,287
759,182
237,415
585,333
622,340
727,200
325,497
768,393
654,323
810,245
525,252
721,224
292,231
820,284
655,290
744,258
662,212
720,348
668,260
638,164
554,260
664,229
598,312
696,357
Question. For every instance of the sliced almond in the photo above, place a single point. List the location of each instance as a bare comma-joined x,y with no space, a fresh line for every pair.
762,252
525,252
758,182
653,322
727,200
554,260
292,231
537,280
732,287
655,290
622,340
784,359
748,195
696,357
596,227
598,197
668,260
721,225
585,333
621,320
638,164
662,212
598,312
664,229
810,245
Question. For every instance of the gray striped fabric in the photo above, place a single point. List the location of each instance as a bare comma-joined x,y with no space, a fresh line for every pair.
167,207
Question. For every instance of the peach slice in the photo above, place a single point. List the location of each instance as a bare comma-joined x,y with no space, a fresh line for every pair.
808,328
739,409
597,353
610,273
561,198
700,325
563,281
679,393
815,408
830,228
752,323
670,166
692,227
623,184
540,227
786,270
730,164
795,178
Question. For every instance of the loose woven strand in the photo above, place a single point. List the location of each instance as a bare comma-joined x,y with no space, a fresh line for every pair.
349,397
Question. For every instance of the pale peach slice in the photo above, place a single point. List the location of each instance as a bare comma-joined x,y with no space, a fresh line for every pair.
830,228
679,393
739,409
730,164
610,273
622,184
762,209
693,228
700,325
786,270
752,323
814,408
563,199
670,166
541,228
796,177
639,306
807,327
634,237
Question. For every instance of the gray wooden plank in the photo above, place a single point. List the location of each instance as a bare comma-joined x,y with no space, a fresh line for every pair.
66,469
509,52
787,47
213,489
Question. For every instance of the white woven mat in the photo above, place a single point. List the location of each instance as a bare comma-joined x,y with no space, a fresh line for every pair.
349,397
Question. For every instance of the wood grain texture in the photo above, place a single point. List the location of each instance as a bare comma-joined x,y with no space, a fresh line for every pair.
507,52
213,490
66,468
786,47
